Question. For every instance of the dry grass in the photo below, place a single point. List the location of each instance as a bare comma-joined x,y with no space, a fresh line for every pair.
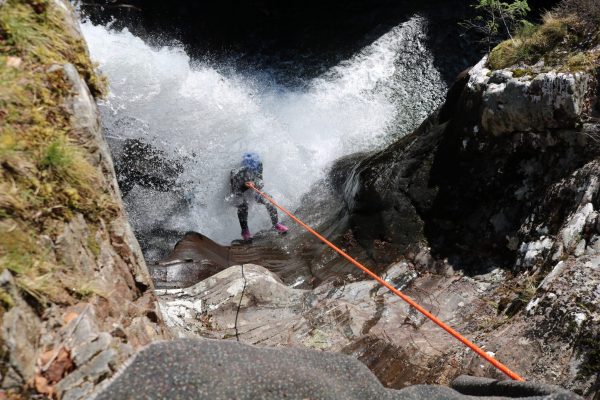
45,178
565,40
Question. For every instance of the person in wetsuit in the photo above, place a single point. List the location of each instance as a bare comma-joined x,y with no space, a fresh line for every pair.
251,171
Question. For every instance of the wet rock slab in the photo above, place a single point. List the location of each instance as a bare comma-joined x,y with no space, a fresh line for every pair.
250,303
195,257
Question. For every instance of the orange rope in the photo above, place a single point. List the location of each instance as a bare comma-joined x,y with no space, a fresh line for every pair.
398,293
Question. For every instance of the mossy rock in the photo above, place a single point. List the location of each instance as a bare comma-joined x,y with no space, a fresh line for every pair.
557,41
45,176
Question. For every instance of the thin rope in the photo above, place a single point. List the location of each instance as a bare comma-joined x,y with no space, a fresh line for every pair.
398,293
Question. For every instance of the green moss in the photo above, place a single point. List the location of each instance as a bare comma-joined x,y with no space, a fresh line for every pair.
520,72
83,292
504,55
530,45
6,300
37,30
580,62
45,177
56,156
93,245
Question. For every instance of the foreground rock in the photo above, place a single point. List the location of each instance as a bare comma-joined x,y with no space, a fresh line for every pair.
193,369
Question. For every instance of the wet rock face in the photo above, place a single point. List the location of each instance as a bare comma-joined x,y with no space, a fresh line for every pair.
506,175
359,318
195,258
139,163
468,180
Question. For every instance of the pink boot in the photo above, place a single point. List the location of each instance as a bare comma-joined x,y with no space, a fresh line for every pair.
281,228
246,235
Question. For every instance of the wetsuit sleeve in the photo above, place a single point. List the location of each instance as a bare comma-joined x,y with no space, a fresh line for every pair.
258,180
237,182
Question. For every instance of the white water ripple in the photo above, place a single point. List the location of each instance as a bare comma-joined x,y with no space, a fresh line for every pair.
211,116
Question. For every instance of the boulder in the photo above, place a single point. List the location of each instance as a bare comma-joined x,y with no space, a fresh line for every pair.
549,100
193,369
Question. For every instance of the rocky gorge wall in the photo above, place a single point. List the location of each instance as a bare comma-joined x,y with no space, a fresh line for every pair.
76,297
487,214
504,176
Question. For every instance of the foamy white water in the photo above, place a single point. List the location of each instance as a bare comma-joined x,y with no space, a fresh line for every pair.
211,117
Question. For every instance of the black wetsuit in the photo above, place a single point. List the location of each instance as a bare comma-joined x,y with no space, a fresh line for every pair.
239,177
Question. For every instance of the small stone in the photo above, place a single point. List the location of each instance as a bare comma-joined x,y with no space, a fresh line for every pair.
70,316
61,365
14,62
45,357
580,249
42,385
85,352
97,367
118,332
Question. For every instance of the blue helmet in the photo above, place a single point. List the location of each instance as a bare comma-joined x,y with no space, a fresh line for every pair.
251,161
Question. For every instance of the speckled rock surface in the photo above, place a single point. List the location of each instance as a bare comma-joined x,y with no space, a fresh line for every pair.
206,369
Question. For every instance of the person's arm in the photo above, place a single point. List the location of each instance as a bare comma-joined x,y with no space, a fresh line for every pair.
258,180
238,183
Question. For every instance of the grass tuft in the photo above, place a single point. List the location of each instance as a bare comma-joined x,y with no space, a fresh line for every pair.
45,178
57,157
566,40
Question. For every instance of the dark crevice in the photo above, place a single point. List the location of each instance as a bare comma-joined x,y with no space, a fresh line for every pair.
237,312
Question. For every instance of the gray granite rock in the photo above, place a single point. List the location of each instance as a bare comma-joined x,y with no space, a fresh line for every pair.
206,369
19,330
550,100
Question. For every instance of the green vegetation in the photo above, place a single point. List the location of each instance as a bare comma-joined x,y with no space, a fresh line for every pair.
45,178
565,40
93,245
6,301
497,19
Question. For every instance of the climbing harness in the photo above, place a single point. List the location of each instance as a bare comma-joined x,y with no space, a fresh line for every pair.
398,293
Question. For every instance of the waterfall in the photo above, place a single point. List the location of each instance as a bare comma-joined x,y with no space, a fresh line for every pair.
207,115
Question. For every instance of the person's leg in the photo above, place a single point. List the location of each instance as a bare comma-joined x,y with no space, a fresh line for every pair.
242,211
270,208
279,227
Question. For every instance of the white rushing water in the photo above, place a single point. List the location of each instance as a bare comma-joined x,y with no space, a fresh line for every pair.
211,116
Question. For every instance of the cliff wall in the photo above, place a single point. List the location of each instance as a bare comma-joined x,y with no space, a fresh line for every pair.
76,297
